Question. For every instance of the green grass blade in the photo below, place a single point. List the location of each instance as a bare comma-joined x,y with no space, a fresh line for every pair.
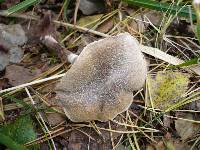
198,32
66,4
187,63
183,11
20,6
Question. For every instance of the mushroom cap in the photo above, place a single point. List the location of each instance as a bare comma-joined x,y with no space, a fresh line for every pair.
100,83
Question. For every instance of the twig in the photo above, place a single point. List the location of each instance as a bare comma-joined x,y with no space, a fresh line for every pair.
17,15
32,83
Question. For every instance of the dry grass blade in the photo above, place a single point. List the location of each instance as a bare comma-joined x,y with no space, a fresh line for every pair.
1,110
39,116
166,57
143,124
46,137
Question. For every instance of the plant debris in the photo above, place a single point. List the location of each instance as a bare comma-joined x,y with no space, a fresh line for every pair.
14,74
41,42
167,88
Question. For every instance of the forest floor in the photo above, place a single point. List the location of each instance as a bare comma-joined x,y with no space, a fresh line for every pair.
164,114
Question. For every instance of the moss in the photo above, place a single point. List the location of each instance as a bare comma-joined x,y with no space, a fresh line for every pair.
167,88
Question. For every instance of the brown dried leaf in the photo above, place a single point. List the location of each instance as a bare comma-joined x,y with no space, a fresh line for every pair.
106,26
19,74
8,3
186,129
150,147
181,146
55,118
160,146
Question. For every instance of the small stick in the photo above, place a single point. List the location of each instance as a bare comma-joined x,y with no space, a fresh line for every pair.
32,83
17,15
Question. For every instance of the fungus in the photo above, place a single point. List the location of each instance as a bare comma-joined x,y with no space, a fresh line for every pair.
100,83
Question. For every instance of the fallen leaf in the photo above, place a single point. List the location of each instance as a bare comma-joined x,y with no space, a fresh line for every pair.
89,21
78,141
150,147
87,137
182,146
160,146
166,88
55,118
18,74
106,26
186,129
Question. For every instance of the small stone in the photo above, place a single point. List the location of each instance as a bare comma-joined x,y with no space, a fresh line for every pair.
4,60
11,38
13,34
16,54
89,7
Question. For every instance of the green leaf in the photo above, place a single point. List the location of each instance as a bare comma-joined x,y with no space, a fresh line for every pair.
9,143
183,11
20,6
21,131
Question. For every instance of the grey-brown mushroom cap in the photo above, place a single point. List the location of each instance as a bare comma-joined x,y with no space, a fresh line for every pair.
100,83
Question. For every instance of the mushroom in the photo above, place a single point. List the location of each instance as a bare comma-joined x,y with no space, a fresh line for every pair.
100,83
